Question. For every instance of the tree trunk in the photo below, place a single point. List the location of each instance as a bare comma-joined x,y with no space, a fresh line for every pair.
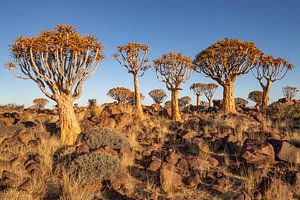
266,91
175,106
198,100
69,125
228,98
210,103
137,97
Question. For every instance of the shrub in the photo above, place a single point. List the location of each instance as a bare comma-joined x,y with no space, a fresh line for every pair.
94,167
101,137
279,111
12,106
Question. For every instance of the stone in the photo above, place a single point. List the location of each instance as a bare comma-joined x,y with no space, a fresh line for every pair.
286,151
170,180
197,163
173,158
193,181
213,162
256,152
155,164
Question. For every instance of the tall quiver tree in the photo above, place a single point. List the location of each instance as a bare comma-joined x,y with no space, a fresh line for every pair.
198,89
209,92
133,57
224,62
173,69
58,62
269,70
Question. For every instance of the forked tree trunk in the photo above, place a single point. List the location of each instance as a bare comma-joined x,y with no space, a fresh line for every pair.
175,106
228,98
210,102
69,125
198,100
266,91
137,97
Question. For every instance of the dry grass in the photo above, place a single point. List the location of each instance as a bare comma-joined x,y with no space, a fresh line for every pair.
73,190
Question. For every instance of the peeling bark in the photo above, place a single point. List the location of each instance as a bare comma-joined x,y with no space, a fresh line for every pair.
69,125
175,106
137,96
228,96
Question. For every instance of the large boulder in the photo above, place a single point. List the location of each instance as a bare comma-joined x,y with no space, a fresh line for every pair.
286,151
256,152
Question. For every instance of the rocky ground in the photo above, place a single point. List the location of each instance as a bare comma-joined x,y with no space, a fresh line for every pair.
208,155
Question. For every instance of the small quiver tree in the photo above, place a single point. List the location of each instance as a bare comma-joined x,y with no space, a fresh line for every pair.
120,94
289,92
198,89
58,62
257,98
209,91
184,102
173,69
240,102
269,70
40,103
224,62
158,95
133,57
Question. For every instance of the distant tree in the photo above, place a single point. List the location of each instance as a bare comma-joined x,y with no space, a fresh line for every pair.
40,102
133,57
158,95
289,92
184,101
224,62
120,94
174,69
131,98
92,103
168,104
209,91
268,71
257,97
58,62
198,89
240,101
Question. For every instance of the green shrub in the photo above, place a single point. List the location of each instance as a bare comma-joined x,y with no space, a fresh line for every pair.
280,111
101,137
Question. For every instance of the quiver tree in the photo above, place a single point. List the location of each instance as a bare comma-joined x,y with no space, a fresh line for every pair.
173,69
158,95
240,101
256,97
92,103
289,92
120,94
131,98
133,57
209,91
58,62
198,89
40,103
268,71
184,101
224,62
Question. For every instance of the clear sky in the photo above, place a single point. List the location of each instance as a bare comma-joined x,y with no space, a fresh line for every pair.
186,26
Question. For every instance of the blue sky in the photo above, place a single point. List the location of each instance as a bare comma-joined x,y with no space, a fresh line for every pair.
169,25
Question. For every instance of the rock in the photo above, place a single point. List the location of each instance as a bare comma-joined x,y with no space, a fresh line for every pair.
256,152
193,181
156,108
108,123
213,162
286,151
221,185
170,180
155,164
293,178
82,149
242,196
197,163
173,158
123,119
